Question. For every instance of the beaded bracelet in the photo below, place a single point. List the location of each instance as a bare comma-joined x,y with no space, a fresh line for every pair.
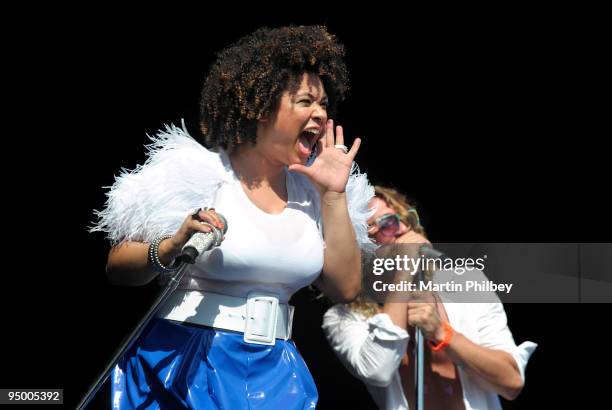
154,256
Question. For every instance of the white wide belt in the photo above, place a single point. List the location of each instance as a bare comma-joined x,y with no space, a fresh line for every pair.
259,316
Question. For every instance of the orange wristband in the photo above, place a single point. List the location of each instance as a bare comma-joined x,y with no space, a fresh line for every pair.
448,335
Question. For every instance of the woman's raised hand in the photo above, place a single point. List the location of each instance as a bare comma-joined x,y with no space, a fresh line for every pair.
331,168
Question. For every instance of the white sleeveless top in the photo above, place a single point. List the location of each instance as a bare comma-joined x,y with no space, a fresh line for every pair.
262,252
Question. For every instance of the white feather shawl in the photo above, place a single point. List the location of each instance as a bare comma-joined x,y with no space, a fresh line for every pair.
179,176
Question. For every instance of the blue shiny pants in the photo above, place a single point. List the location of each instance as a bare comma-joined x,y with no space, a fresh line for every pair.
180,366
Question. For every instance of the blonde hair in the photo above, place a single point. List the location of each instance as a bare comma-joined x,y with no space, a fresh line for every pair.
410,217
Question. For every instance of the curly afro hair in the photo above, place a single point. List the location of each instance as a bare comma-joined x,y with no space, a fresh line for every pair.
248,78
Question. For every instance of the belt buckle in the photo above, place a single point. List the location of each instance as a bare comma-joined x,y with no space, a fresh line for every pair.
261,317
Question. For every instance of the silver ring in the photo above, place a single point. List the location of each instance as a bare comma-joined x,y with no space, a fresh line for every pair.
344,148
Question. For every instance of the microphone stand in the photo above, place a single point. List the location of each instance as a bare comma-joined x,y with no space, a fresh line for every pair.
420,356
169,288
431,253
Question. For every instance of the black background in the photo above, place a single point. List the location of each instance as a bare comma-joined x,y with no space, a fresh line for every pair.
491,122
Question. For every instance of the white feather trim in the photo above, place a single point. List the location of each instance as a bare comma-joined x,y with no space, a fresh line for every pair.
359,193
181,175
154,199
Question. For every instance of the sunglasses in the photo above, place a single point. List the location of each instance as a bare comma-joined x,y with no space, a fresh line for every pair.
388,224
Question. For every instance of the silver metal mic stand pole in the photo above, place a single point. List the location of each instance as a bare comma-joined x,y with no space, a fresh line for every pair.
420,362
170,287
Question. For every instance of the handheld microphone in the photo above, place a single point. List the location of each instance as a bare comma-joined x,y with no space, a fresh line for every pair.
201,242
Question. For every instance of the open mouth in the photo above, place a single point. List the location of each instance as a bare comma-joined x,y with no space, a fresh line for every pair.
307,141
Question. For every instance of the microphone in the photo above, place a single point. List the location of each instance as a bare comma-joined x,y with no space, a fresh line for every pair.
431,253
201,242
